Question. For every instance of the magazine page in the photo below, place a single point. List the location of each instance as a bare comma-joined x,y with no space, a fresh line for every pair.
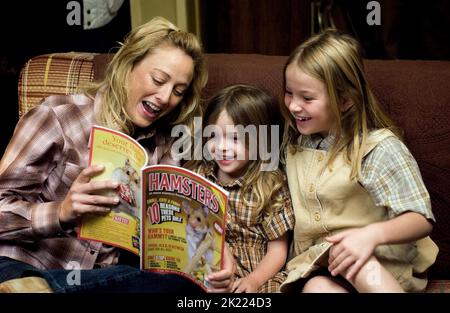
123,158
183,223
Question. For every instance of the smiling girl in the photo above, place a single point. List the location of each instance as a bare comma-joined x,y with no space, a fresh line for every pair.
259,208
362,211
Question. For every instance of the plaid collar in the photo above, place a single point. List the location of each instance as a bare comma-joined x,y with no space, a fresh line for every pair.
210,173
317,142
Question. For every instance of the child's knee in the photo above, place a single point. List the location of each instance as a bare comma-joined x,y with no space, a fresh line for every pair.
322,284
374,277
372,266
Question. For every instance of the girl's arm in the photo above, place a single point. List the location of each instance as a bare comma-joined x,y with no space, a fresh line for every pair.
407,227
392,177
269,266
353,248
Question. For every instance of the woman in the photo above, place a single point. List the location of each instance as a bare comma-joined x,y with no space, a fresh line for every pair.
153,81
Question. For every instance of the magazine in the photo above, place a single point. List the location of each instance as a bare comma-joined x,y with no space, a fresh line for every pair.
173,218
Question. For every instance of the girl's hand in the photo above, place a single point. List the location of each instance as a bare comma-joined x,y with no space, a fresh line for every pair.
350,251
246,284
80,200
222,281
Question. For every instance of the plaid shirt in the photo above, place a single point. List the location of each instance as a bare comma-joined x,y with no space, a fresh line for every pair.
390,174
248,239
48,150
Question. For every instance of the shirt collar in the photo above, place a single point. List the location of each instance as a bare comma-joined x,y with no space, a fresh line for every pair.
210,172
317,141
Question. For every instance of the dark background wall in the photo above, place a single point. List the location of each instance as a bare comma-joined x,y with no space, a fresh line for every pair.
30,28
271,27
410,29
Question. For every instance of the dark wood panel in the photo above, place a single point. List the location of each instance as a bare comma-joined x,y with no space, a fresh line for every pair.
410,29
272,27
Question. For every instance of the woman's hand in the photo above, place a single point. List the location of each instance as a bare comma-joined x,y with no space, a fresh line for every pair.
222,281
350,251
80,198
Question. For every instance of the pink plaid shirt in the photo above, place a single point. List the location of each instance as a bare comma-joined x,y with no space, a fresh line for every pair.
48,150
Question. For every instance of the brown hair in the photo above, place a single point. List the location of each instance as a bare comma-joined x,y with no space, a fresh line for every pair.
247,105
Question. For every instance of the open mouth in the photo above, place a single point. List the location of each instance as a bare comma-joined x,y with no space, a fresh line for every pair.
303,118
224,159
151,108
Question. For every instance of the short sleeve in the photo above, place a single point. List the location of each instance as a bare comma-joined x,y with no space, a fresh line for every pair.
282,220
392,177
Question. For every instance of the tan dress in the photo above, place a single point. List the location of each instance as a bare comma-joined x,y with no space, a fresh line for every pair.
327,203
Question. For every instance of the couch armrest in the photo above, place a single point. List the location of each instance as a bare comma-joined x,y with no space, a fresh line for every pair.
56,73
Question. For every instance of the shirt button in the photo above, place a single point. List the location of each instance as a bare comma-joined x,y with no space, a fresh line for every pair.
316,216
320,157
311,188
92,252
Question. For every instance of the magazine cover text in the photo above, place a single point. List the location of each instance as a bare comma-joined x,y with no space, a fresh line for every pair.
183,223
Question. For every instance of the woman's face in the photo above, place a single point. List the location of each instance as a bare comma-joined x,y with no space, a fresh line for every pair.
157,84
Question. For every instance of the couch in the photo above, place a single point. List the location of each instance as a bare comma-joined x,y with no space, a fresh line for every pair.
415,93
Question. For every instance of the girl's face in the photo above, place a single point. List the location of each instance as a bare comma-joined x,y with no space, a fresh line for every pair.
307,100
157,84
230,154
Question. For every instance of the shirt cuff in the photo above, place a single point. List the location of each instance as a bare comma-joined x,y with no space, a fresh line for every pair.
45,219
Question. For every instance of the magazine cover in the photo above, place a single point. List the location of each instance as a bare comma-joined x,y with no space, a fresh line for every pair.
123,158
183,223
173,218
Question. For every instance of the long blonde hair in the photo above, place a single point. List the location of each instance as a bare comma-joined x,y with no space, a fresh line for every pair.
335,59
141,42
247,105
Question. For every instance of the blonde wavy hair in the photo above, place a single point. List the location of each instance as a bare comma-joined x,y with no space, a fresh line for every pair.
139,43
247,105
335,59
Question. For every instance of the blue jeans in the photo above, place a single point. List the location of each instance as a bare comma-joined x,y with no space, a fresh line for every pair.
117,278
